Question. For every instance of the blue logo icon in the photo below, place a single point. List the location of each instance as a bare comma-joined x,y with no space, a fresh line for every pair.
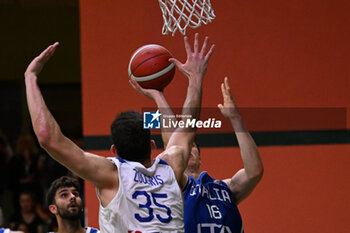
151,120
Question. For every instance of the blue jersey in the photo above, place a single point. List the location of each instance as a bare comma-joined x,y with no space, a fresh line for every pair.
209,207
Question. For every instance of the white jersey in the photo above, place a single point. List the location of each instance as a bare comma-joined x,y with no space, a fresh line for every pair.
88,230
148,200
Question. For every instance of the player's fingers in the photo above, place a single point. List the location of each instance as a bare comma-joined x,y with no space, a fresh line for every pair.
210,52
132,83
227,95
228,89
220,106
37,59
187,46
176,62
53,48
223,91
196,38
205,44
47,53
137,86
227,86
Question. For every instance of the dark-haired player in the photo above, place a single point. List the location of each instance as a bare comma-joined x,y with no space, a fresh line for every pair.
65,203
135,193
211,204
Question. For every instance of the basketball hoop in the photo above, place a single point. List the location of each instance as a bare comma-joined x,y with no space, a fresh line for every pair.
180,14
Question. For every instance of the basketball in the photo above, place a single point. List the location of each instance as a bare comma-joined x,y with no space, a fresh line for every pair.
151,68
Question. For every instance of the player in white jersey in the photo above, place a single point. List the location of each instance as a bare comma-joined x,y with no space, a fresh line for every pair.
132,143
65,203
145,195
210,204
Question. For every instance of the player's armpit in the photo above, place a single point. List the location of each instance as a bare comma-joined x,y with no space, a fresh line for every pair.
100,171
174,156
93,168
241,185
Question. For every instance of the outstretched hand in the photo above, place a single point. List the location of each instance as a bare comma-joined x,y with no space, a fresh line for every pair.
149,93
197,61
38,63
228,109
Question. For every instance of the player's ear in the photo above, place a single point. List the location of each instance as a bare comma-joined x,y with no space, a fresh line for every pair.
153,145
113,149
53,209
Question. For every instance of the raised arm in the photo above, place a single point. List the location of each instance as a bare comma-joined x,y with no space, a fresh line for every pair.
245,180
180,143
162,104
93,168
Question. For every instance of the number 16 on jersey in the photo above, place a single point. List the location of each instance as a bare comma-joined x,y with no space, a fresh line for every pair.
214,211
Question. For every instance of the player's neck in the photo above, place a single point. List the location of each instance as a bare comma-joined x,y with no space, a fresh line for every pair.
147,163
195,173
70,226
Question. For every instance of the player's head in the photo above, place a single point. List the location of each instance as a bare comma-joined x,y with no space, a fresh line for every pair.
64,199
194,161
131,141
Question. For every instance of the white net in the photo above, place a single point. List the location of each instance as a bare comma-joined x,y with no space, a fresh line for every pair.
180,14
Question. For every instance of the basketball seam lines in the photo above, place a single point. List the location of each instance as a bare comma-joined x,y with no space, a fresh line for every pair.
154,75
132,72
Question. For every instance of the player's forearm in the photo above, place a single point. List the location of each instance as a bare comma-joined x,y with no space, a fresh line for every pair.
49,133
191,108
249,152
184,136
192,104
44,125
58,146
165,109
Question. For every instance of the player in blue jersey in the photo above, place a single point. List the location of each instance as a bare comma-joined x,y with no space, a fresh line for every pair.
138,204
211,204
65,203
